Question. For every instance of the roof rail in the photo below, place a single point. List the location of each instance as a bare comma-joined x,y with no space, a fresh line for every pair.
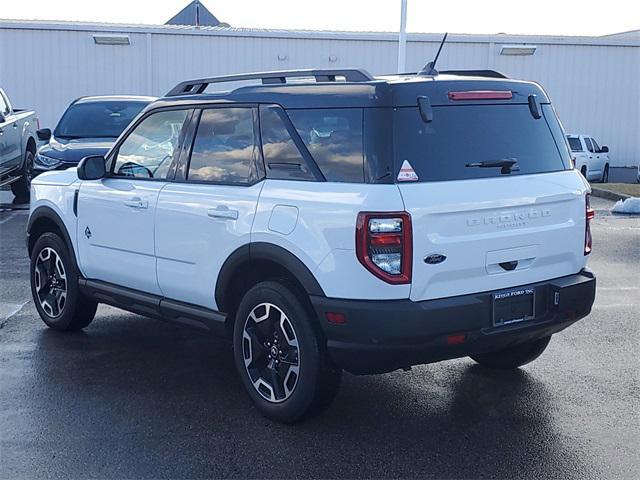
194,87
474,73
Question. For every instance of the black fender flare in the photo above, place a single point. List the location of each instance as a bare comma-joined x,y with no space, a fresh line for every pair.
50,214
265,251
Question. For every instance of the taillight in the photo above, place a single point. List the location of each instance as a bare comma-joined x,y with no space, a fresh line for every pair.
37,123
383,245
589,215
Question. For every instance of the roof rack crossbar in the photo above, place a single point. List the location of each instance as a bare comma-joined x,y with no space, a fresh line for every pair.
194,87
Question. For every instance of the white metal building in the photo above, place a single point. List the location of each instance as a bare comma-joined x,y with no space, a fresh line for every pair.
593,81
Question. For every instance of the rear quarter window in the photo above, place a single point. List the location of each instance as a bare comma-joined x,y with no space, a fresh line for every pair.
460,135
334,139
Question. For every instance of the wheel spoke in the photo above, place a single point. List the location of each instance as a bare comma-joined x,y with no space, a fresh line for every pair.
276,383
290,357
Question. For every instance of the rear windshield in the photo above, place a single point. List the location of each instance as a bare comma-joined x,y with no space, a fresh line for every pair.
461,138
575,144
105,119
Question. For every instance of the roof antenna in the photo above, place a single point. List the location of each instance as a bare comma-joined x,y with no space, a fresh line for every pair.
430,68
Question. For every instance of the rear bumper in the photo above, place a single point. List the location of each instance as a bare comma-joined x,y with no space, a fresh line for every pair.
381,336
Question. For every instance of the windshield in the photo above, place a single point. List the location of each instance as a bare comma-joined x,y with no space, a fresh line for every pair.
479,141
97,119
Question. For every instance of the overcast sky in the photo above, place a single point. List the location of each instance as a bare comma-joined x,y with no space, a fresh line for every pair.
555,17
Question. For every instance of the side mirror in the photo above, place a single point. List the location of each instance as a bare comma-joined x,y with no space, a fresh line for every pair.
44,134
604,149
92,168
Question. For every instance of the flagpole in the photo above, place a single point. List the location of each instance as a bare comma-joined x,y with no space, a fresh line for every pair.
402,38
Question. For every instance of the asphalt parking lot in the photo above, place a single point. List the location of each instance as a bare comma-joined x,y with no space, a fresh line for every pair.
136,398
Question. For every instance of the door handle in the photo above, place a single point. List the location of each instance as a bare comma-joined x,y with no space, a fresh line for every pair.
15,125
224,213
136,202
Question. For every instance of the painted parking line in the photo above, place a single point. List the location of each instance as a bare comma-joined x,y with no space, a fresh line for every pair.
8,310
11,215
6,219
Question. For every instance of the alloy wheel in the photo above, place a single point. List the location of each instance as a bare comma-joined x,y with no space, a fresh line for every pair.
271,353
50,281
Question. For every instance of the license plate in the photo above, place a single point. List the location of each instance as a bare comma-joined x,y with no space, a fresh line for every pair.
514,306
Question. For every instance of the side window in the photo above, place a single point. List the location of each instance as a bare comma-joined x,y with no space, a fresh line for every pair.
149,149
333,136
587,141
575,144
596,147
281,155
224,150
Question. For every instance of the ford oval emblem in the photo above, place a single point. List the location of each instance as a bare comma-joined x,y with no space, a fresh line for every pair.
435,258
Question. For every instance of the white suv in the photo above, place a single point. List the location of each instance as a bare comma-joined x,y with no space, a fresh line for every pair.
338,221
589,158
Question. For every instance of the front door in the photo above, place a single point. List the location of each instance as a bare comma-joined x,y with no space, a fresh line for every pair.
599,158
116,214
203,219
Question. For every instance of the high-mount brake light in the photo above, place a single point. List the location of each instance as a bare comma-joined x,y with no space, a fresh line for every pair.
590,214
482,95
384,245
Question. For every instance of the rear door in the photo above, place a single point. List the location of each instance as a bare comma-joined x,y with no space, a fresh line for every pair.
207,213
495,227
599,157
592,167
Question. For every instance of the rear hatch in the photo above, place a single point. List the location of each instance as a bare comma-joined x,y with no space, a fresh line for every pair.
493,201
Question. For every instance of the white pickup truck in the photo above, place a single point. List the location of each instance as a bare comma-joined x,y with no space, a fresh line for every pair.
589,158
17,146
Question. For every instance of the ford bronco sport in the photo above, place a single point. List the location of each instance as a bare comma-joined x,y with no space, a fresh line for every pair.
328,220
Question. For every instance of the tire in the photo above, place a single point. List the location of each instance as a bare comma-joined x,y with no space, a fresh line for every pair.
513,357
298,380
22,187
51,264
605,174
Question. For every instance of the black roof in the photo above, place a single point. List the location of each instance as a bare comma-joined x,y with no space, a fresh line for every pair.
359,89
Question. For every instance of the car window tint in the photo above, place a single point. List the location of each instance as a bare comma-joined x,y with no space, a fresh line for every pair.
596,147
458,139
104,119
333,137
587,141
224,147
281,155
148,150
575,144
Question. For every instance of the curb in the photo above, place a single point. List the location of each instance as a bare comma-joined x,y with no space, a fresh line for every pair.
608,194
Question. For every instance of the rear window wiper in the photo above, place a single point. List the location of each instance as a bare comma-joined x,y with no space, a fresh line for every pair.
507,165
